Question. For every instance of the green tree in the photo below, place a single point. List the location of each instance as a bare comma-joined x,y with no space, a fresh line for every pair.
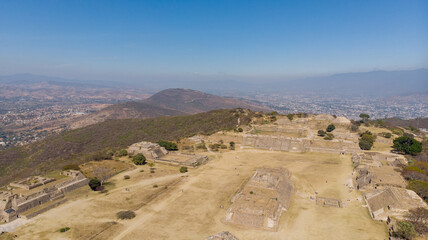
183,169
290,116
364,117
407,145
405,230
330,128
170,146
367,140
139,159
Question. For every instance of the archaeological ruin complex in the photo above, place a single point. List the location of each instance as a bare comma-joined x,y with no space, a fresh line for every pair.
13,206
155,152
261,201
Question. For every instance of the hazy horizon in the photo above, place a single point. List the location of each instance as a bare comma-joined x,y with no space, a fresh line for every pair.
221,40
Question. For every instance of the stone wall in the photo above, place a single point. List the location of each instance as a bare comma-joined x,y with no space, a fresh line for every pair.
13,204
288,144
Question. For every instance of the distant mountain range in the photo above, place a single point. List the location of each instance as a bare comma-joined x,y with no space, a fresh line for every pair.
374,84
169,102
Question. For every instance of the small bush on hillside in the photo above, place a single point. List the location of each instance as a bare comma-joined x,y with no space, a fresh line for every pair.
122,153
126,177
232,145
71,167
94,184
387,135
125,215
155,186
321,133
329,136
290,116
183,169
201,146
240,130
139,159
64,229
397,131
330,128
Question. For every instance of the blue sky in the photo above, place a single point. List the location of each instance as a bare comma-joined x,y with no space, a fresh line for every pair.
210,39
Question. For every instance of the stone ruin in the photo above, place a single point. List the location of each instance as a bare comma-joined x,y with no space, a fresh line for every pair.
261,201
222,236
31,182
157,153
148,149
377,170
384,188
328,202
290,144
392,202
13,205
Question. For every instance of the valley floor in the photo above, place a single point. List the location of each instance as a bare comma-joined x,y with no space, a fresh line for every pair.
192,205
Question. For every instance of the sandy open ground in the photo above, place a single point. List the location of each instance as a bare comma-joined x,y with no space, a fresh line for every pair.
193,205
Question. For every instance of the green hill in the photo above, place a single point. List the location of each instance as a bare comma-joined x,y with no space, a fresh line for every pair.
81,145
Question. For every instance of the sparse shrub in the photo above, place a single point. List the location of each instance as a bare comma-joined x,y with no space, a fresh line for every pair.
94,184
64,229
151,164
155,186
354,127
126,177
251,192
122,153
201,146
139,159
240,130
125,215
71,167
104,191
170,146
152,170
330,128
397,131
232,145
183,169
405,230
387,135
321,133
290,116
329,136
142,170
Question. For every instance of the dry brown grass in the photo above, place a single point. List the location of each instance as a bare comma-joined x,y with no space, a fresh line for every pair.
193,207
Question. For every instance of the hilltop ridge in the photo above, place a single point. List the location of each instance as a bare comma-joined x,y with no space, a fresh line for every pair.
169,102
